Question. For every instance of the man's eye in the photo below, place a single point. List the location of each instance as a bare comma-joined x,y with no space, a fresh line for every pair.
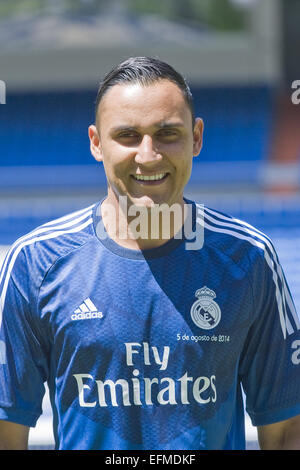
125,135
128,138
167,133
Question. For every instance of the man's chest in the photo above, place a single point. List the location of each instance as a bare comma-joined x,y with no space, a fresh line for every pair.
152,318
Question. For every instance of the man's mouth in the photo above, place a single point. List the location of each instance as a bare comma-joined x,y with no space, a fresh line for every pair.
150,179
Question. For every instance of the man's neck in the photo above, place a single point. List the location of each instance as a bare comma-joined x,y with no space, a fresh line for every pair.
140,227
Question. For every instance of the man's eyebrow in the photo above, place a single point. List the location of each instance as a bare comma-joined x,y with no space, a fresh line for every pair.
164,125
160,125
123,128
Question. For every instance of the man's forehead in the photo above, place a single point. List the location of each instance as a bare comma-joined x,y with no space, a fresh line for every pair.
161,100
172,123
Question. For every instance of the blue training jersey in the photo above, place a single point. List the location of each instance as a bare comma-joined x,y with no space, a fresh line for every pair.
147,349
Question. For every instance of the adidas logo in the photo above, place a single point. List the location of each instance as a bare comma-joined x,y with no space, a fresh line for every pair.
86,311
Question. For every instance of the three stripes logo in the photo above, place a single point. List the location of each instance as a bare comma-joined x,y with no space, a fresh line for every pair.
86,311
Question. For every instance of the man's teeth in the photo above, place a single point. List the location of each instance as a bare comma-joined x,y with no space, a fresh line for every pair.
150,178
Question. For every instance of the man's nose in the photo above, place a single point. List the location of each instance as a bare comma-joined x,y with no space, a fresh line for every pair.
146,151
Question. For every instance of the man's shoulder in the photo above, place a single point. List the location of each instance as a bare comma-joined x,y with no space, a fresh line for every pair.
224,228
234,238
46,243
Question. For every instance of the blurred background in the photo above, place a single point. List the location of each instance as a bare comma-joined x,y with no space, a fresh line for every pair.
242,60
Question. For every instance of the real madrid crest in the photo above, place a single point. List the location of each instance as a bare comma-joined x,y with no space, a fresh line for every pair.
205,312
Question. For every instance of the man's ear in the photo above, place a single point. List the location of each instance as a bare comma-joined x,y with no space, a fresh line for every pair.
95,145
198,136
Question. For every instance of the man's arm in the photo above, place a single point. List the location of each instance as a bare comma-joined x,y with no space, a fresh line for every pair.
284,435
13,436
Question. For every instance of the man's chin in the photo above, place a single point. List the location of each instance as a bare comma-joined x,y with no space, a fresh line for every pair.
146,201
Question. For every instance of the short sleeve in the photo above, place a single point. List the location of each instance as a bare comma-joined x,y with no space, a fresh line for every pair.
23,366
270,362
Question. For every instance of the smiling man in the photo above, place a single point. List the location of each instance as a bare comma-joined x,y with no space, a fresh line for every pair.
146,340
146,136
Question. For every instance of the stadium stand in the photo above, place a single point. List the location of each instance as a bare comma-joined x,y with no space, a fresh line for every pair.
237,126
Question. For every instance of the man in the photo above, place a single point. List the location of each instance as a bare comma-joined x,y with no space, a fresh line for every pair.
145,339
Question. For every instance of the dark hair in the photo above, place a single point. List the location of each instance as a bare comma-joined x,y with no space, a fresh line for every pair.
144,70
